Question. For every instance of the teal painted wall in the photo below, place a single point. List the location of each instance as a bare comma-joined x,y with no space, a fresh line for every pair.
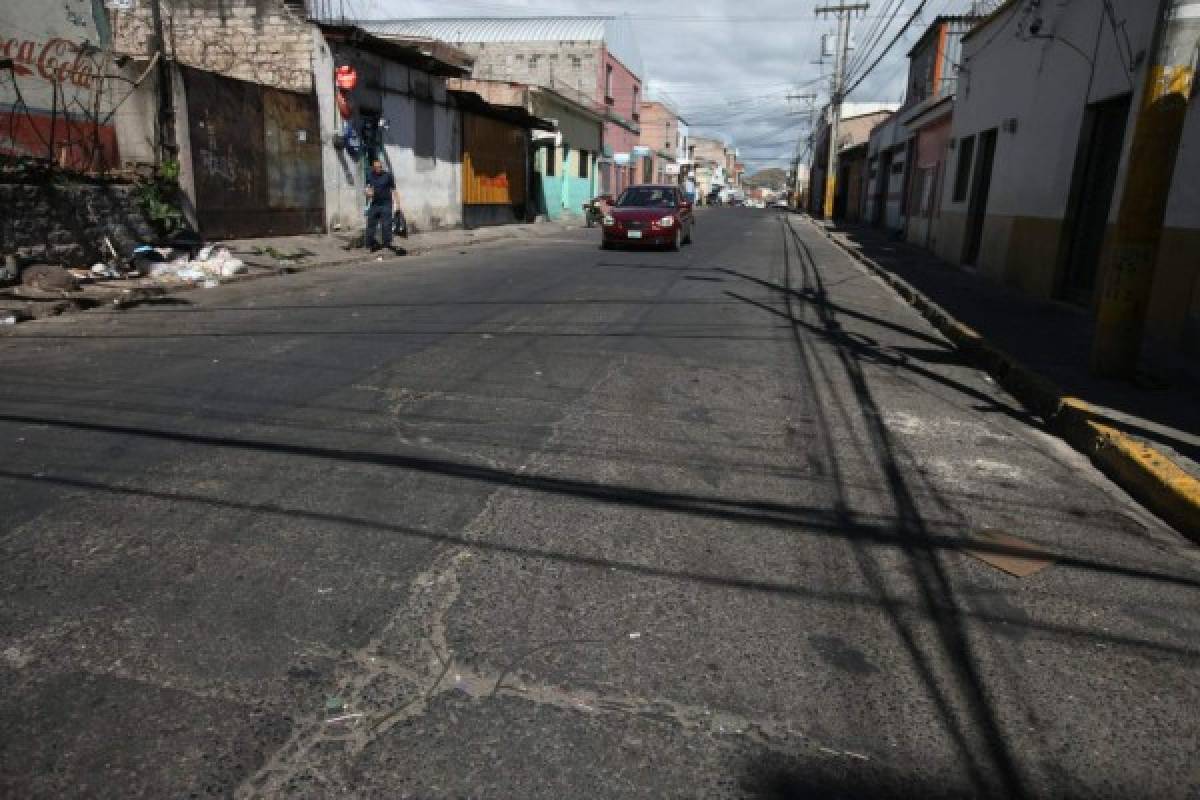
579,191
552,189
564,194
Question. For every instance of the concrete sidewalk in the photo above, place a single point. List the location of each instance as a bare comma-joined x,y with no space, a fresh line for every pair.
264,257
1048,344
343,248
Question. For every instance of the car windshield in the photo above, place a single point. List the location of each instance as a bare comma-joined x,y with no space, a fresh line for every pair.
647,197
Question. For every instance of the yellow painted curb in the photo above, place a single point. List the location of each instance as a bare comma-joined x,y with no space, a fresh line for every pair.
1151,477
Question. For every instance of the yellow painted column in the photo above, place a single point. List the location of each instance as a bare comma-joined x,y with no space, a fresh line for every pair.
1128,263
830,188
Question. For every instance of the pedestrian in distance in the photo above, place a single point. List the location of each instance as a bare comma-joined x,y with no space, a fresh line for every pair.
381,199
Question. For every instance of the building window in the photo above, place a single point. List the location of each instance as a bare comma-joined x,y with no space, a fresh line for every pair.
551,161
608,84
636,110
962,178
584,163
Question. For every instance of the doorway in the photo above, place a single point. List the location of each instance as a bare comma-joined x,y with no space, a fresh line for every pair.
883,179
1096,162
256,153
981,187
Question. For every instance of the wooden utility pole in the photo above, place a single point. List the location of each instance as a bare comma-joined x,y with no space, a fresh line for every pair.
837,93
809,98
1127,275
168,147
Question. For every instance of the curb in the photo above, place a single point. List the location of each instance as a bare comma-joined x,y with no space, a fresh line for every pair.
131,297
1150,477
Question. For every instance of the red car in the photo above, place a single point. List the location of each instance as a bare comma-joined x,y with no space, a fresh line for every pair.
650,215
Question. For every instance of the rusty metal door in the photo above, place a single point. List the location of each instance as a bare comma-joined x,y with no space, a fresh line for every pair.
256,155
493,162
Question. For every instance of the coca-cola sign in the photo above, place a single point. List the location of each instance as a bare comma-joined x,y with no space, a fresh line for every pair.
54,48
57,61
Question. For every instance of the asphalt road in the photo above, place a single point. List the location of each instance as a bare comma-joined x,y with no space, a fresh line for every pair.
535,520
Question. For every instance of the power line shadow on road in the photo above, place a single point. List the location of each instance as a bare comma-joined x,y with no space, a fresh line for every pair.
808,296
665,267
877,530
839,777
718,334
192,308
606,564
950,673
868,351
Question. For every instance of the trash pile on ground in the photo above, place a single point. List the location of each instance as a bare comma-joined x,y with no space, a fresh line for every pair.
184,257
169,262
125,277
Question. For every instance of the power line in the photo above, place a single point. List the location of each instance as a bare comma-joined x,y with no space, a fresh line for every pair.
874,35
888,49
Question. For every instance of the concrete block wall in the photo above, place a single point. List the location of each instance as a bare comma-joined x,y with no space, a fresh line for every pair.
251,40
57,224
573,64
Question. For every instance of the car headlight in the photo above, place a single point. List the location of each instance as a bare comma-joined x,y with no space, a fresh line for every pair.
608,220
667,222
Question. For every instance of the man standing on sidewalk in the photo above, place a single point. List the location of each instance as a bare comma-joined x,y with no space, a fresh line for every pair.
381,196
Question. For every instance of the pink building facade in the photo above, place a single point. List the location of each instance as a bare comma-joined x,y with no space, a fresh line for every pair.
622,102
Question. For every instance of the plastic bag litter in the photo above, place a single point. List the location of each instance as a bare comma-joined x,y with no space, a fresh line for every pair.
167,269
210,263
224,262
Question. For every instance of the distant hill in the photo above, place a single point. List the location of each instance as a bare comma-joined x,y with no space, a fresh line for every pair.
773,178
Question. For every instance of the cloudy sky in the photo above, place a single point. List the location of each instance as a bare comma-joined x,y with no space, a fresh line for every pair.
729,65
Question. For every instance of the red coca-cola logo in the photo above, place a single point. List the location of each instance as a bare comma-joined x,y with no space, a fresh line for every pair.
56,61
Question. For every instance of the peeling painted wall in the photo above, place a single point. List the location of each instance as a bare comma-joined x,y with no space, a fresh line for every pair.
57,105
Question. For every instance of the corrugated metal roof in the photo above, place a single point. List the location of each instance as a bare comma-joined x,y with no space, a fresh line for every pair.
496,29
615,32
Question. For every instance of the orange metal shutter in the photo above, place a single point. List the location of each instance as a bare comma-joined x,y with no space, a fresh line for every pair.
493,162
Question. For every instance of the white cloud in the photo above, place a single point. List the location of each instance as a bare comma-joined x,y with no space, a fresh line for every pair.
727,65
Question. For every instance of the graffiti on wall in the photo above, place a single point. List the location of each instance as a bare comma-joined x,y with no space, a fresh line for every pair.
56,98
270,50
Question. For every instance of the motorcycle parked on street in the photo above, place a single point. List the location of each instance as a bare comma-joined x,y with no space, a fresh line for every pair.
594,210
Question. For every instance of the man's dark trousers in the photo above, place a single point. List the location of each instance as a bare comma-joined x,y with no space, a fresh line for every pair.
379,215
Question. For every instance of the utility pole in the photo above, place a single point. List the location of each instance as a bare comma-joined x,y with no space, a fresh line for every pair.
810,99
1128,264
843,13
168,147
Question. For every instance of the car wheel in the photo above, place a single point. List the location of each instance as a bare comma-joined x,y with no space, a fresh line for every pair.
606,245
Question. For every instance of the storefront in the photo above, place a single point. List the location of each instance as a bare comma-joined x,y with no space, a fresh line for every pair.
496,161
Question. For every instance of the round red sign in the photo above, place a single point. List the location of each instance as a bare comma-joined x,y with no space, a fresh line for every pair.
346,78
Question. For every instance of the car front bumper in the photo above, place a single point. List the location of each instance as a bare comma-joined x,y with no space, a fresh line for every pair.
659,236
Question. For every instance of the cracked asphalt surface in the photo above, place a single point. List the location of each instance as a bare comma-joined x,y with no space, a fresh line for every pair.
535,520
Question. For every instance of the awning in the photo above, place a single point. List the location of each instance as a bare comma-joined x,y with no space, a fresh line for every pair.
436,58
513,115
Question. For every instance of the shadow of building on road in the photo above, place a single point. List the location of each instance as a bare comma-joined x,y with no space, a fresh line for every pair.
1052,338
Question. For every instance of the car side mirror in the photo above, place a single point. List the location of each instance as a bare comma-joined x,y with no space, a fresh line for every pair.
685,206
